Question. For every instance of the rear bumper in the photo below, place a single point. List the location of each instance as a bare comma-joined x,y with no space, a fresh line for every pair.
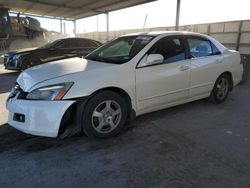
238,74
41,118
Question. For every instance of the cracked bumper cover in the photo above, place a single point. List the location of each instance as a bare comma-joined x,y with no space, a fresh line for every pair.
41,118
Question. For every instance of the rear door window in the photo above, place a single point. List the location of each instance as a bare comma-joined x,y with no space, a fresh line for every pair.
89,43
64,44
82,43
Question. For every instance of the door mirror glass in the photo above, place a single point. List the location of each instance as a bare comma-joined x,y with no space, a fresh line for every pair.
153,59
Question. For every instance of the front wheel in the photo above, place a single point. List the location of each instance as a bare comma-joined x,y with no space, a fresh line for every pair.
104,115
221,89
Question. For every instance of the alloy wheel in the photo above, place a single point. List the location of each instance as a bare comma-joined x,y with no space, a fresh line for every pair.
106,116
222,88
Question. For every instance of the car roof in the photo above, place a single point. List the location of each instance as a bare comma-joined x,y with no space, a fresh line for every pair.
78,38
70,38
220,46
165,33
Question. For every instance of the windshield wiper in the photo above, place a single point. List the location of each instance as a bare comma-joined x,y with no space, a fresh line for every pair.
104,60
101,59
95,59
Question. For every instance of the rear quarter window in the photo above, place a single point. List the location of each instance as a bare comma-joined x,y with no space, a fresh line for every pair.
199,47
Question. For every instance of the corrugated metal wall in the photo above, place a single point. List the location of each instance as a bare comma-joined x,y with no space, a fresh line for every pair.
235,35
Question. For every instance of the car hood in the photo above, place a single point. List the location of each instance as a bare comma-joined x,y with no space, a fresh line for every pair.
44,72
21,51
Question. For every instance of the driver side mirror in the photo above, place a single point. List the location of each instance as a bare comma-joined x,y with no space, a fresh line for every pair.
153,59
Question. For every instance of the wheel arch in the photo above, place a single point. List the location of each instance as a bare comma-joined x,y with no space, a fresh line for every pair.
71,114
230,76
122,93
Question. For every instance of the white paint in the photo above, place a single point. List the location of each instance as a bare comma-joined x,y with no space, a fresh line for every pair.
42,118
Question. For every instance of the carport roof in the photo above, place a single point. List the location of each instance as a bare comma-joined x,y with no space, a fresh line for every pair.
68,9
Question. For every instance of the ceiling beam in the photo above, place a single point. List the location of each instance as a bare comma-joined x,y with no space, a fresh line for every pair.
69,9
40,16
106,8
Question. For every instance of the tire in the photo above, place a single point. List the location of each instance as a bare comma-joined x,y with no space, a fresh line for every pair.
104,115
221,89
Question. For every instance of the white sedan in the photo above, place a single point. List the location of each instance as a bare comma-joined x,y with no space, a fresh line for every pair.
129,76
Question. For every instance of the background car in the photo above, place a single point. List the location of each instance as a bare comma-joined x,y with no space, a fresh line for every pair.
59,49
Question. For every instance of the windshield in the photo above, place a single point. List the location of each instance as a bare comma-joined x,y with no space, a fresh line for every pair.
120,50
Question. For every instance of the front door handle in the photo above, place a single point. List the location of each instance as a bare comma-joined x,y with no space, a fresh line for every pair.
184,67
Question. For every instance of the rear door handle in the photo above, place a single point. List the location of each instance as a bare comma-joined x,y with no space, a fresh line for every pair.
184,67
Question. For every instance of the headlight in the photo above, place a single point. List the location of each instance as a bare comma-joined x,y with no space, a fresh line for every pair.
53,92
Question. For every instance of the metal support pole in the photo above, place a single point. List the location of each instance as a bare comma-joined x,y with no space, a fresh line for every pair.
145,21
107,17
74,27
61,25
209,29
237,47
177,15
97,24
64,29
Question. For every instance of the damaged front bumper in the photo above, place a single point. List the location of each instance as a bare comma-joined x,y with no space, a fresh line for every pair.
41,118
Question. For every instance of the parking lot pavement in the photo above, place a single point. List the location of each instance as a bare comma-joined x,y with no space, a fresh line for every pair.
7,80
193,145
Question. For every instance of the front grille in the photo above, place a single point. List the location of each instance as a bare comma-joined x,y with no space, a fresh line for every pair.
11,64
7,58
8,61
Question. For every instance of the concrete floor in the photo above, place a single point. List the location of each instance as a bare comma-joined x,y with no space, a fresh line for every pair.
7,80
193,145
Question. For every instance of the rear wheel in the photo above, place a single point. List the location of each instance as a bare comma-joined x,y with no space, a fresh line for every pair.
104,115
221,89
